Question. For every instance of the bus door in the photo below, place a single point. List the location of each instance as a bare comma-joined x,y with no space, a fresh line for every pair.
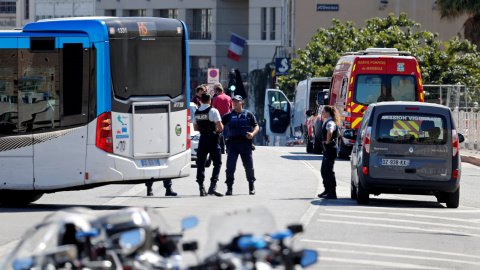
16,143
59,82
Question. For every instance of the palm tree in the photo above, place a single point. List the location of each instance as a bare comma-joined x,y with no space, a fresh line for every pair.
452,9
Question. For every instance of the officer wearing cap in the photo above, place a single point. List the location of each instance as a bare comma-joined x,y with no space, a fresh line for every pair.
242,128
207,120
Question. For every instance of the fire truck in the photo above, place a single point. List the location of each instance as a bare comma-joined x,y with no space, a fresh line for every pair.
370,76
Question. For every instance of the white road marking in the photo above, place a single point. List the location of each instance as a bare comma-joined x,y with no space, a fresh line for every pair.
374,263
402,220
6,249
370,211
377,254
391,248
399,227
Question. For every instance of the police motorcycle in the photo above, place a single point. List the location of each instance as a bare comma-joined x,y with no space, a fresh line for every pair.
247,239
131,238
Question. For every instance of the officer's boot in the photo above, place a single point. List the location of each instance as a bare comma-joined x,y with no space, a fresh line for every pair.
212,189
149,191
169,192
251,188
229,190
203,192
324,193
332,194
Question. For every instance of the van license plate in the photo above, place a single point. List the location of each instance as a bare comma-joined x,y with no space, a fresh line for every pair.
150,162
395,162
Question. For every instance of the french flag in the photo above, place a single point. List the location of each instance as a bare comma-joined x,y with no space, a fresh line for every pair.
236,47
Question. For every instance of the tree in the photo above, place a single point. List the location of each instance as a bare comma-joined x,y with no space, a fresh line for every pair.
452,9
451,62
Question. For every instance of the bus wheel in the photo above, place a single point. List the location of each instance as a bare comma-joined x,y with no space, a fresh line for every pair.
18,197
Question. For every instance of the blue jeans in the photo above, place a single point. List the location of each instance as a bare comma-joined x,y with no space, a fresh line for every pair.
208,145
245,151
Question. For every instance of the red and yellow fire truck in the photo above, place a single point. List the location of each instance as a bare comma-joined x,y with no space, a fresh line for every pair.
365,77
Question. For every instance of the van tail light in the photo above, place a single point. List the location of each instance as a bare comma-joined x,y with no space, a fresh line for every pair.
365,170
366,142
189,119
454,142
348,117
455,174
104,132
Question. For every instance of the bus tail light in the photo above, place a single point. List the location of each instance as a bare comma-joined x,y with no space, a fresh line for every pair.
366,142
189,119
104,132
454,142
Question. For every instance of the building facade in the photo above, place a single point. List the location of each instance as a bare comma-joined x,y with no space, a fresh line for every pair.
210,24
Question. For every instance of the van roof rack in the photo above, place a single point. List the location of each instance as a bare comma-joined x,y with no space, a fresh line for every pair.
380,51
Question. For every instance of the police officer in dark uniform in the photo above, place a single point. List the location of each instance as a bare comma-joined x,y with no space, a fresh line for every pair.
242,128
330,136
168,188
207,120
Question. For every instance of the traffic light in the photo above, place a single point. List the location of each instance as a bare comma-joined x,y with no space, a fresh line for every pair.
232,82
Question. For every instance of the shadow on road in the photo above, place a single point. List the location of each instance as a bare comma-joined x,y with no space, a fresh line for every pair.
380,203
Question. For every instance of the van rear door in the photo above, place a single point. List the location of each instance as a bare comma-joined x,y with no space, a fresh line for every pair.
277,110
411,145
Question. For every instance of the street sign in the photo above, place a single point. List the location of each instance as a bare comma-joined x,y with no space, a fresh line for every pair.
213,75
282,66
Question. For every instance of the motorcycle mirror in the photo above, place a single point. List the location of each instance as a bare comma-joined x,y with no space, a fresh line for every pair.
296,228
23,263
129,241
189,222
309,257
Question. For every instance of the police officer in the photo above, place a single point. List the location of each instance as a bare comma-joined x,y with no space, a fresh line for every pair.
242,128
330,136
207,120
168,188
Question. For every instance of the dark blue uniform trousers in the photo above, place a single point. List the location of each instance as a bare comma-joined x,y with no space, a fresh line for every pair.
245,151
328,175
166,183
208,145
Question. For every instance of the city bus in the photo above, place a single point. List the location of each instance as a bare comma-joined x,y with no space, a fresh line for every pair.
90,101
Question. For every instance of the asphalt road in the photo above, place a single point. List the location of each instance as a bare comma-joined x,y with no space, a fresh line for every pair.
392,232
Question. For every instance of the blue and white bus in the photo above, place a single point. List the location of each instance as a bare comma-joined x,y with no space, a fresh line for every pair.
86,102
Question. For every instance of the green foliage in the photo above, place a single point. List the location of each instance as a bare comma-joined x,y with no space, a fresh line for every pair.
451,62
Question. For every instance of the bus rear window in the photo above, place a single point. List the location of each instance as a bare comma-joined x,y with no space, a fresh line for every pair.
411,129
371,88
147,66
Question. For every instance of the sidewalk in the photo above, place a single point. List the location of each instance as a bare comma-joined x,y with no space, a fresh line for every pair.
470,156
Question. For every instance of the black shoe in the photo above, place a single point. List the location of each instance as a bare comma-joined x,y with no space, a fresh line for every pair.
325,192
170,192
149,191
251,188
229,191
331,195
203,192
212,190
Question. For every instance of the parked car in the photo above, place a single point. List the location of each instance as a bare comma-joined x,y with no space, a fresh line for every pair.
406,148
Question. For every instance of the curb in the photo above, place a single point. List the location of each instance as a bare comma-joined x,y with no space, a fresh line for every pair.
470,159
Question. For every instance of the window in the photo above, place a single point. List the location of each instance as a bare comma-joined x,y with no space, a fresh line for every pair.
202,24
371,88
263,18
27,9
137,13
411,128
166,13
111,12
8,7
272,24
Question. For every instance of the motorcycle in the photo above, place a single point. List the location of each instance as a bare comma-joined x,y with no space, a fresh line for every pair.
247,239
131,238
